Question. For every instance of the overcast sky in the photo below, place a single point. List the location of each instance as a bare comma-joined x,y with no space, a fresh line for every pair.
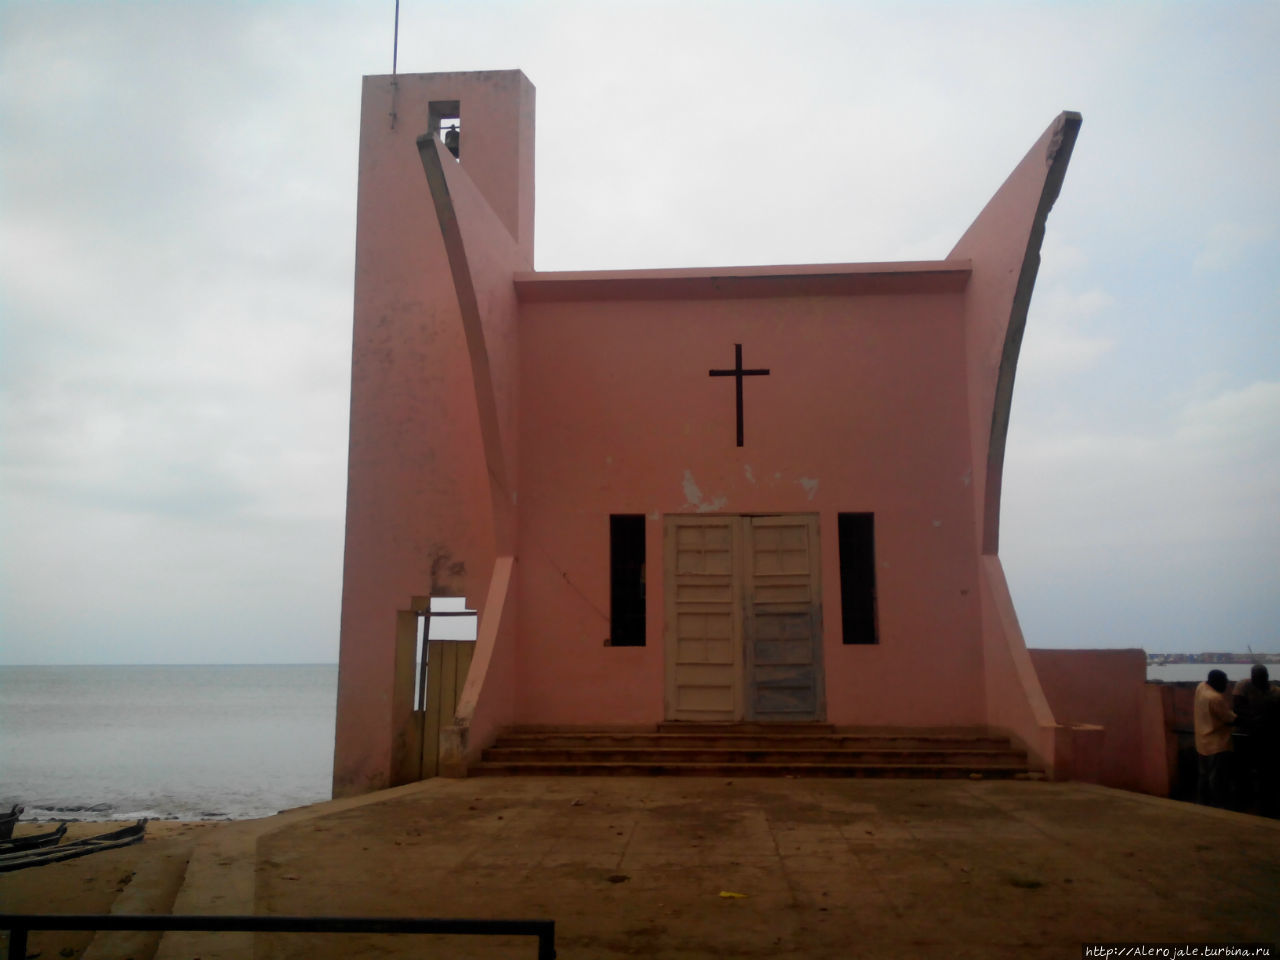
177,205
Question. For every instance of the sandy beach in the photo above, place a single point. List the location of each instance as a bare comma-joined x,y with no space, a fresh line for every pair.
641,867
96,883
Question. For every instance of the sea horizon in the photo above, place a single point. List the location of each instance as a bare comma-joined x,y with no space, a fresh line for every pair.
207,741
1261,654
165,741
180,663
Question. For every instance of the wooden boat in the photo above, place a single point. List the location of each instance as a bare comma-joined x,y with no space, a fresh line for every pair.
76,848
7,821
33,841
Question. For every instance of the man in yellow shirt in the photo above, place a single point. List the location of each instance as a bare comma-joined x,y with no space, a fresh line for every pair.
1213,718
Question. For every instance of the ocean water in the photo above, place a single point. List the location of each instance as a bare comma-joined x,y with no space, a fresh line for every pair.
1170,672
192,742
186,742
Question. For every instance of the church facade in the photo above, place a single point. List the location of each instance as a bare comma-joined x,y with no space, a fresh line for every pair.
756,494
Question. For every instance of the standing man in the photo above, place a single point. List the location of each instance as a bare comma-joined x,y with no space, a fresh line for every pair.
1213,718
1257,703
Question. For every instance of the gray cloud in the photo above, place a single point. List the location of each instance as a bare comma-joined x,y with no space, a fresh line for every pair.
177,189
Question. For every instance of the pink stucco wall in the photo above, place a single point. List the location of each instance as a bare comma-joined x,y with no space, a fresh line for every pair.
1003,243
419,513
1108,688
863,410
1015,701
499,416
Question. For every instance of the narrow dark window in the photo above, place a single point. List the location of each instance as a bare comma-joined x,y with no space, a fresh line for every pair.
858,577
626,591
445,118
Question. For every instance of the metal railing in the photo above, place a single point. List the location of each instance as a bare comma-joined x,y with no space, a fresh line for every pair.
20,924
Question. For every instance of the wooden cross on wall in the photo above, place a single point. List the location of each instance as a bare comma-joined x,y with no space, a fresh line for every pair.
738,373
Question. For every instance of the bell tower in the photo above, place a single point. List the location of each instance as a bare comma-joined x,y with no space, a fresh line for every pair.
419,519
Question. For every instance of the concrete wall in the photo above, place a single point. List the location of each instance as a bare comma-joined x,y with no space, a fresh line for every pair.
863,410
420,518
1003,243
1108,688
1015,701
499,416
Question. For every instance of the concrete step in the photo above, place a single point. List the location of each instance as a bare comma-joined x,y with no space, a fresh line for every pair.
684,726
151,889
747,741
752,749
676,769
502,752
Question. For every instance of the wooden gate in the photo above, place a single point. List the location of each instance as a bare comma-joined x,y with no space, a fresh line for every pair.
447,664
428,684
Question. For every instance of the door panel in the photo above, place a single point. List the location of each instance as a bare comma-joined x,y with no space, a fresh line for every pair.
775,592
704,619
744,629
783,619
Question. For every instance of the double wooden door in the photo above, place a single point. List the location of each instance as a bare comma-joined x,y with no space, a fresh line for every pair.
743,618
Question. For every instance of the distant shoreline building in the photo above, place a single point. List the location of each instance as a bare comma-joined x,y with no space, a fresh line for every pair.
1160,659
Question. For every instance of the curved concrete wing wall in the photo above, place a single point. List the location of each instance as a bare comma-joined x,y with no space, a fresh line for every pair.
1004,244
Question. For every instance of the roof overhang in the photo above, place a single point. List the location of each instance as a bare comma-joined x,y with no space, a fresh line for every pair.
715,283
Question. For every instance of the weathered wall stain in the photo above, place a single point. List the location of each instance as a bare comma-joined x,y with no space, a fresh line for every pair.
694,498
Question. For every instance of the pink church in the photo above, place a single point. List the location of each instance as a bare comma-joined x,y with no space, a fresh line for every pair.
729,495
